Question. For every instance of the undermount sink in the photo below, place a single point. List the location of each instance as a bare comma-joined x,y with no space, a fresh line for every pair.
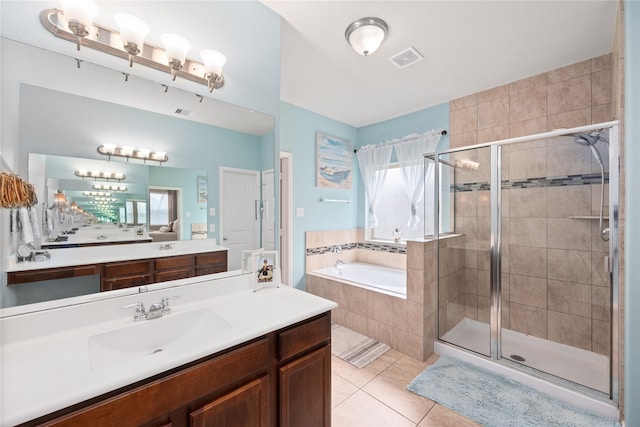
149,337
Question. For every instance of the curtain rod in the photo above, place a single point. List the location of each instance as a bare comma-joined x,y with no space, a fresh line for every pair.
442,132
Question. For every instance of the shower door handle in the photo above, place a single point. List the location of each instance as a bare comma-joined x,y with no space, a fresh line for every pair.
607,264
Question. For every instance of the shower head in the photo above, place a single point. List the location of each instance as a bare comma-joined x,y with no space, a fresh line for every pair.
591,138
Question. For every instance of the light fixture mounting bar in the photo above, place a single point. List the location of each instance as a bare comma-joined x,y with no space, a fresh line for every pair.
107,40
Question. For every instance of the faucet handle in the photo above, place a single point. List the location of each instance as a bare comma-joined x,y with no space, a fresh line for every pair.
165,303
140,310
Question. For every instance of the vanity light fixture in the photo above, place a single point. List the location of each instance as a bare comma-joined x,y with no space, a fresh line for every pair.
105,199
132,31
74,208
79,17
366,35
100,175
96,194
59,201
108,187
75,23
133,153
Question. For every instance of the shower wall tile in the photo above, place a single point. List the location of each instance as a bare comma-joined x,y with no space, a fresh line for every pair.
600,63
567,201
528,320
494,133
570,298
467,101
471,306
415,285
539,80
569,95
528,202
569,119
528,127
528,290
493,113
566,233
528,232
570,329
595,199
570,71
471,281
559,150
569,266
505,279
484,283
530,163
528,261
463,139
601,87
484,309
528,104
466,203
601,337
464,120
493,94
601,303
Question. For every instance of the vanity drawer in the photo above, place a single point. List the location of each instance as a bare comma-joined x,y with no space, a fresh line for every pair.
174,274
304,337
125,282
127,268
186,387
17,277
219,257
174,262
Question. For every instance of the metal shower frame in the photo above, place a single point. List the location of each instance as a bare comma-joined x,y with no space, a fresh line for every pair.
496,230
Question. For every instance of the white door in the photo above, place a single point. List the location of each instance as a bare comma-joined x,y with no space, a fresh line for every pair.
268,218
239,225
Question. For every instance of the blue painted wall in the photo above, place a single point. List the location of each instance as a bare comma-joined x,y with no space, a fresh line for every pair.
298,136
632,225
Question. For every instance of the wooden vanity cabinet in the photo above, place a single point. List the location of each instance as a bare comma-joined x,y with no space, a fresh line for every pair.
174,268
280,379
211,262
126,274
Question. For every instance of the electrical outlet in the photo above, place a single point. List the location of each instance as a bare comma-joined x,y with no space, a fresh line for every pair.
212,211
212,228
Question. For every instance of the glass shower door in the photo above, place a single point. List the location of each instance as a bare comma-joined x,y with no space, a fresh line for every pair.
464,255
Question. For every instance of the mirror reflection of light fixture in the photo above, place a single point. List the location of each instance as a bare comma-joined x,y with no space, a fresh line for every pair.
132,31
79,16
74,208
108,187
133,153
59,201
96,193
213,63
100,175
177,48
366,35
170,60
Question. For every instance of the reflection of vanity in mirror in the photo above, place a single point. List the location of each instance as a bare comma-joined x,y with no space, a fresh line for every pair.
60,133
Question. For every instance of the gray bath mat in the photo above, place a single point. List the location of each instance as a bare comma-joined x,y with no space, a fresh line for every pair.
355,348
494,400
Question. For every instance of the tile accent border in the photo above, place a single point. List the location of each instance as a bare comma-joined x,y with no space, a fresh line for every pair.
541,182
378,247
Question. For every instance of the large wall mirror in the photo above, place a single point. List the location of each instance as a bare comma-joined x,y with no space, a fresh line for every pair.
61,126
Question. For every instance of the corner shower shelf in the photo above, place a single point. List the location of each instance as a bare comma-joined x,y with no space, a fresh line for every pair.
606,218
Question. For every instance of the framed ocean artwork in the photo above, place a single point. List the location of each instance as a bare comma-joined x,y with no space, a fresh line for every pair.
334,162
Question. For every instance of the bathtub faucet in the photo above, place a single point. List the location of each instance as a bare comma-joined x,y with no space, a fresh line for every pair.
339,265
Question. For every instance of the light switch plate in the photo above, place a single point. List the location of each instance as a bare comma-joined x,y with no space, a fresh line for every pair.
212,211
212,228
299,212
187,214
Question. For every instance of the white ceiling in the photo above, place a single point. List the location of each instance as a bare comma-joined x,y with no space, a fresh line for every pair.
469,46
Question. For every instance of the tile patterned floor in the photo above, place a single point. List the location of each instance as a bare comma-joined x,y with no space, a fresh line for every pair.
376,396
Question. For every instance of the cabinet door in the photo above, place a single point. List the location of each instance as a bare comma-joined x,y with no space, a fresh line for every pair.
305,390
180,273
247,406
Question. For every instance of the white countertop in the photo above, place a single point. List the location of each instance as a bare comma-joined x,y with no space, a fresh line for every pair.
65,257
45,358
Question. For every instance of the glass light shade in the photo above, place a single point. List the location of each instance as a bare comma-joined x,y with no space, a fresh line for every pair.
126,151
80,11
132,29
142,153
109,148
366,39
176,47
213,61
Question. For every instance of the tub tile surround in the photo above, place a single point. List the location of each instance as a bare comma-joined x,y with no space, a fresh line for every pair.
554,283
406,324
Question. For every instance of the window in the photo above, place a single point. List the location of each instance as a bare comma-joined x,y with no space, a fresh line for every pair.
136,212
393,209
162,207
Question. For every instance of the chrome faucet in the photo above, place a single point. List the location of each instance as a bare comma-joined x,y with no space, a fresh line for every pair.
166,246
156,310
339,264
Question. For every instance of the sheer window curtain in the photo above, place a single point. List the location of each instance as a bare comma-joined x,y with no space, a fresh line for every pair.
373,161
410,152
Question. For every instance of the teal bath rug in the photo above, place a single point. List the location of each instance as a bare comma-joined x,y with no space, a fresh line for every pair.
494,400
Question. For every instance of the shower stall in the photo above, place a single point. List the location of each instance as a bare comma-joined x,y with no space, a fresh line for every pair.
528,274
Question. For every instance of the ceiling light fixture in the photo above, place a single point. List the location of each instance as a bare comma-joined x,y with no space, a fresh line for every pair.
75,23
96,193
133,153
366,35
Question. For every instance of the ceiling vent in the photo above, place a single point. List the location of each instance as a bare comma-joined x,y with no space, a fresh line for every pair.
405,58
186,113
